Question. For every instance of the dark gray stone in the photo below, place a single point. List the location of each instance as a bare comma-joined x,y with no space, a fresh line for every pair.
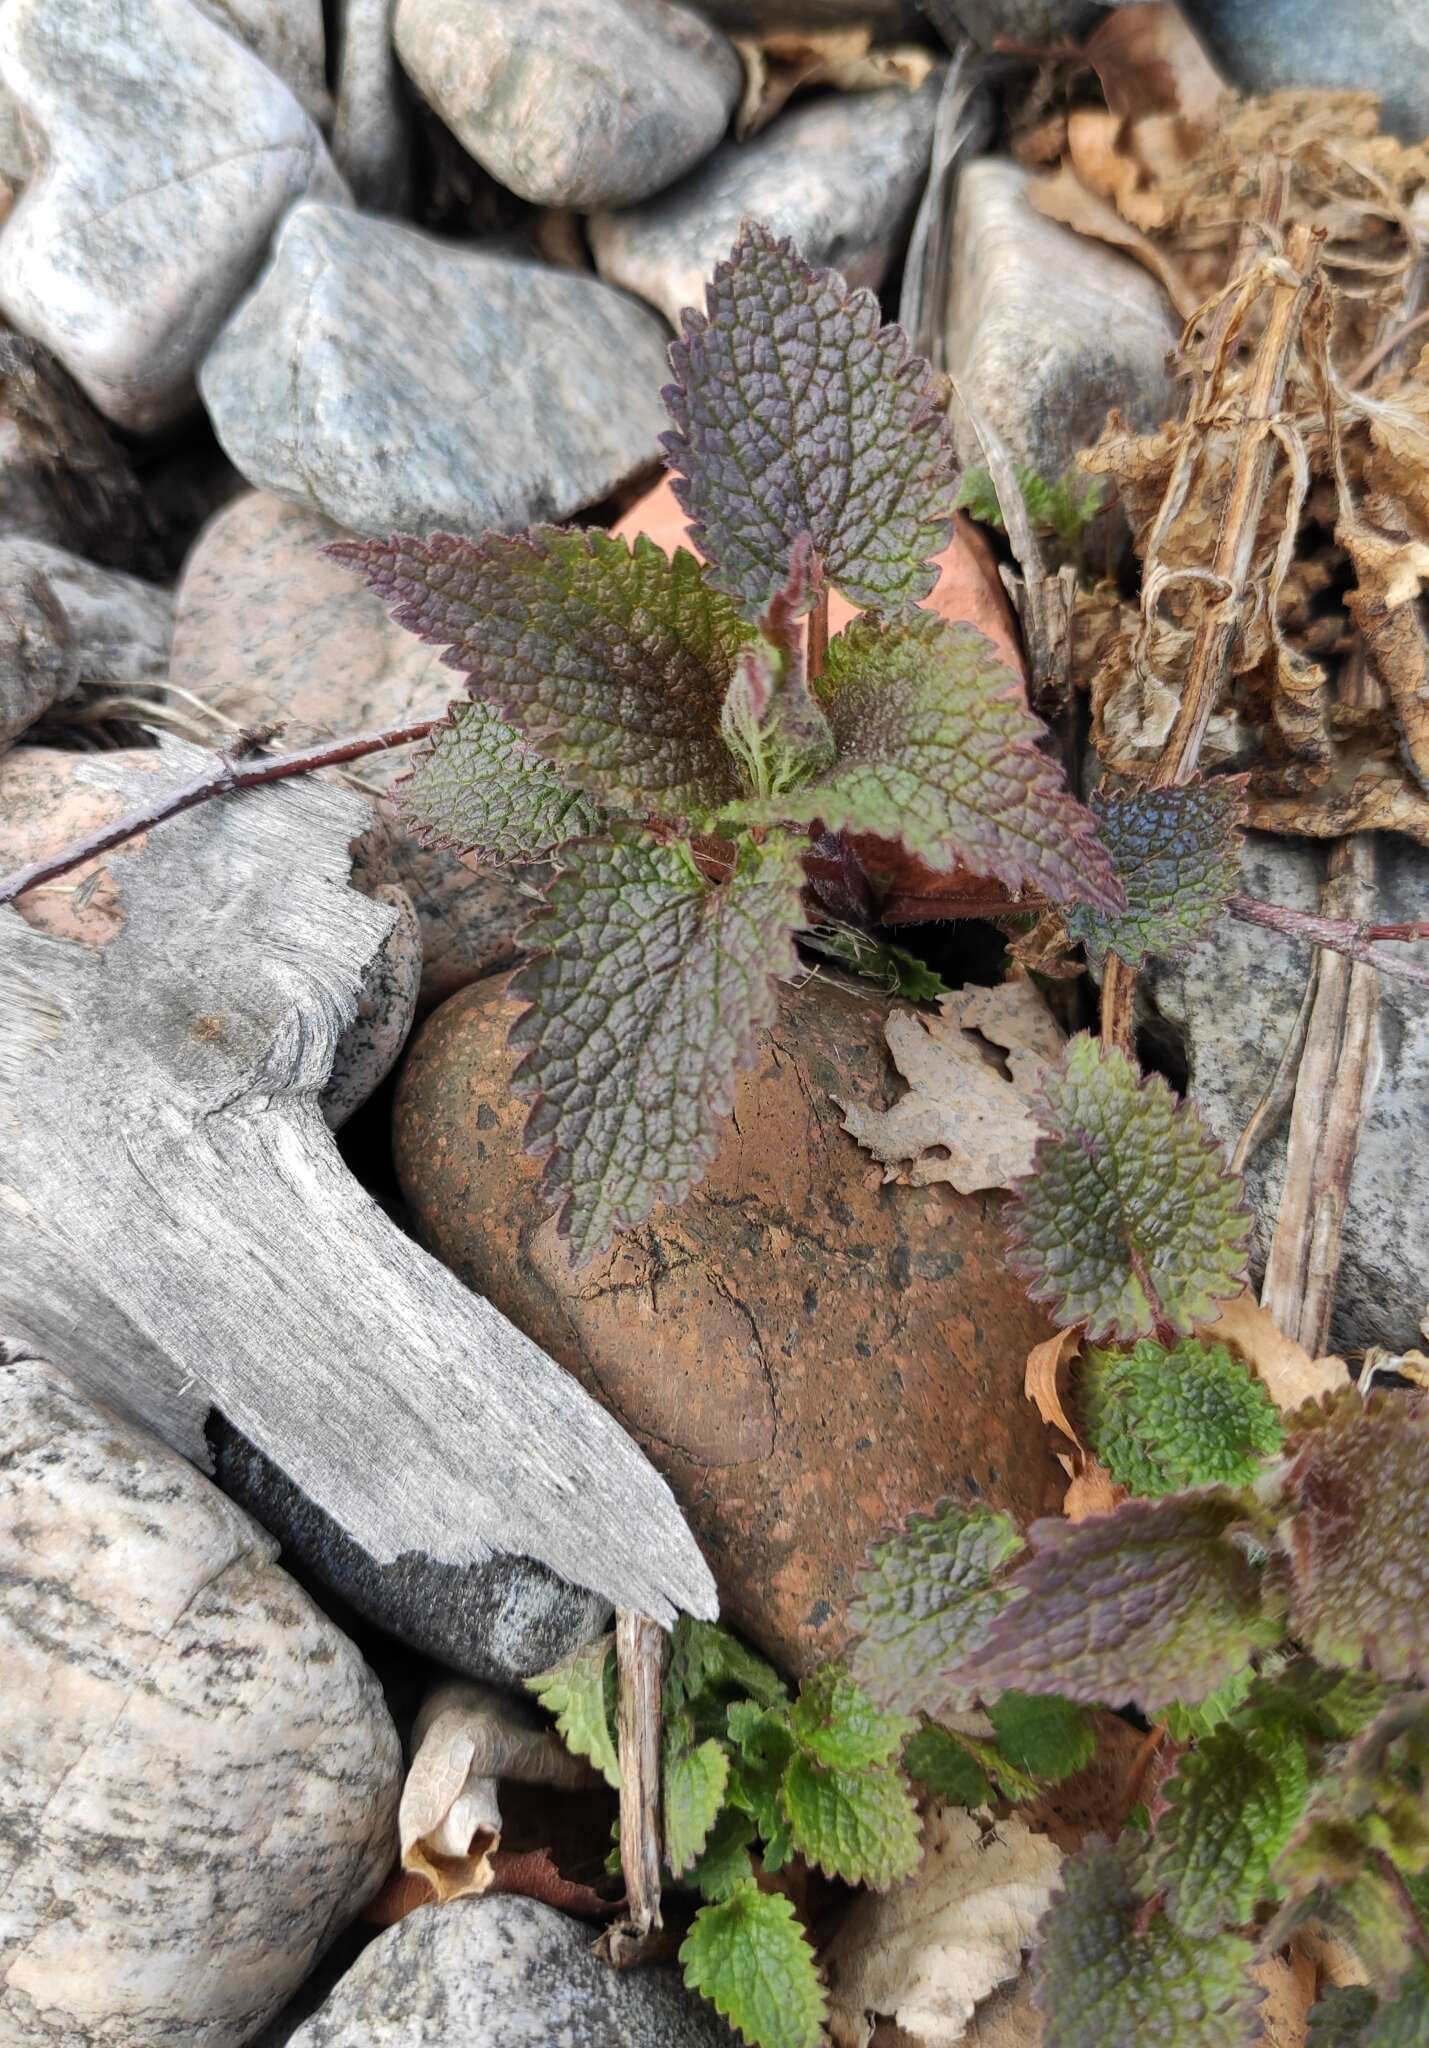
573,102
505,1972
372,128
67,625
1021,21
1378,45
840,175
393,381
501,1621
1047,330
1235,999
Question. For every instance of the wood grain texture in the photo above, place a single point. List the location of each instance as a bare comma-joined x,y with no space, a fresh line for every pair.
161,1136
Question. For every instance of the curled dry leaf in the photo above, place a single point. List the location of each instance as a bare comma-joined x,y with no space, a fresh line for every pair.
963,1120
781,62
467,1738
1288,1982
1092,1490
1290,1375
929,1952
1149,61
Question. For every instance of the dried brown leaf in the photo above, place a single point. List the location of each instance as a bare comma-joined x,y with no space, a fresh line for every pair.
1091,1491
1063,197
1149,61
1290,1376
781,62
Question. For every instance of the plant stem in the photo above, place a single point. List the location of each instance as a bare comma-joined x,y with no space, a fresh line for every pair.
1118,1005
225,777
1339,934
640,1658
818,642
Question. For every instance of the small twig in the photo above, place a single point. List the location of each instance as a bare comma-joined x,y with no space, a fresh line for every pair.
640,1657
1118,1005
1281,1091
223,779
1351,936
817,645
1368,364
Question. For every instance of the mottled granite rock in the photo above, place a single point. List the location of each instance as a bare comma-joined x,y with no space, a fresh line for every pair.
501,1621
170,152
1235,997
573,102
486,391
505,1971
287,37
805,1354
67,625
367,1051
199,1775
371,136
841,175
1379,45
1047,330
267,630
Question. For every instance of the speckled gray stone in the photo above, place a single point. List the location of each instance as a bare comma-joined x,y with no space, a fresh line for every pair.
573,102
287,37
1379,45
501,1621
505,1972
391,380
198,1774
170,152
1047,330
371,136
67,625
841,175
1235,998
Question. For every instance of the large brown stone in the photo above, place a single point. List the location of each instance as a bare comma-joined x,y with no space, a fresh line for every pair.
805,1353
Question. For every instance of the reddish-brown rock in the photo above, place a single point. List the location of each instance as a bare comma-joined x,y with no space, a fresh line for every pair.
805,1353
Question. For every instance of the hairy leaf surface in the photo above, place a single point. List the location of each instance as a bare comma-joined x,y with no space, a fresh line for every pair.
858,1825
796,412
1102,1978
750,1958
646,997
709,1666
612,661
925,1600
938,750
580,1691
1234,1803
836,1722
764,1747
1129,1212
1042,1734
943,1762
1152,1602
1177,854
692,1788
1359,1538
725,1862
1165,1418
476,786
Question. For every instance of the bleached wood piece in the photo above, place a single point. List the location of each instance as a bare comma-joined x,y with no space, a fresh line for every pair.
160,1132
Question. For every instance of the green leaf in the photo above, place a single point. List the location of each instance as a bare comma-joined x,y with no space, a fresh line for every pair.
1177,854
692,1789
835,1722
764,1747
475,785
1107,1976
1042,1734
892,968
1353,2016
942,1761
1155,1601
1359,1536
750,1958
725,1862
1162,1419
646,996
1234,1803
612,661
796,412
1189,1723
1341,2019
581,1692
977,496
924,1601
861,1826
707,1663
938,750
770,720
1129,1213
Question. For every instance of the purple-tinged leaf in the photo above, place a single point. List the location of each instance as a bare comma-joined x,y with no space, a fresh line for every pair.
797,412
476,786
925,1601
1177,853
611,661
1153,1602
1359,1536
1232,1806
1109,1974
645,1000
1129,1214
938,750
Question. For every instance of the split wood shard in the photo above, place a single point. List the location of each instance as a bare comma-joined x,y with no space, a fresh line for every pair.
178,1229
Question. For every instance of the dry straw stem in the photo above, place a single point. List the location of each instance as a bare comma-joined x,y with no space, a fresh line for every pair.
640,1658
